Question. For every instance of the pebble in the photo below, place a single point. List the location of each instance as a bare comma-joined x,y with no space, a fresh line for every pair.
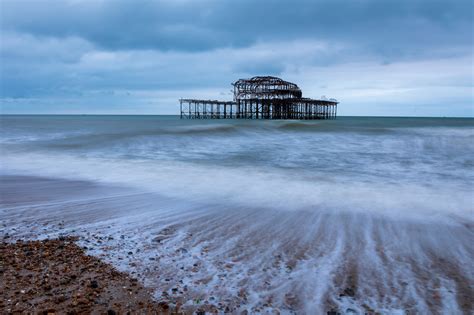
60,275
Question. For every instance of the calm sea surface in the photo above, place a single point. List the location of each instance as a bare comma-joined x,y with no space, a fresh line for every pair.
357,214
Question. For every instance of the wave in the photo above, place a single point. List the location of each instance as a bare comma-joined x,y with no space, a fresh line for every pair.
251,187
328,127
89,139
198,129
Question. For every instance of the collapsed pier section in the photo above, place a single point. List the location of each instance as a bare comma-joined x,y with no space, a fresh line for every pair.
207,109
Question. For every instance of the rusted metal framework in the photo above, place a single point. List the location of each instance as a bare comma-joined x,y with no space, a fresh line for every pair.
207,109
261,98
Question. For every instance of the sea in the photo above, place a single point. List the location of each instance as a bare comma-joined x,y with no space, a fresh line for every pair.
354,215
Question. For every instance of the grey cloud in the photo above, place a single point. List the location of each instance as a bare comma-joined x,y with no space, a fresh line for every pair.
393,28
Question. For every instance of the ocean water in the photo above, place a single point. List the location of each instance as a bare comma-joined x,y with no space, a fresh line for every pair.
355,215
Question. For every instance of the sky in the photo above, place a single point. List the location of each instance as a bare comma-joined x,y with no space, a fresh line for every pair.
377,57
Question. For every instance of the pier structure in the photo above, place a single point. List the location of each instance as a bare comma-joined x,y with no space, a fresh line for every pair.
261,98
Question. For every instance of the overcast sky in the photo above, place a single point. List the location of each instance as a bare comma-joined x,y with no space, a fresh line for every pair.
402,58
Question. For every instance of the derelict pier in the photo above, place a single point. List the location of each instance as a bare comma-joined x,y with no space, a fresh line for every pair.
261,98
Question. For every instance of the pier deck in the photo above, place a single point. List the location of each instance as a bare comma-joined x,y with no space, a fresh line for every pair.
306,109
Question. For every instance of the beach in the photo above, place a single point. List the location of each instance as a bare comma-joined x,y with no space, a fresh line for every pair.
354,215
56,277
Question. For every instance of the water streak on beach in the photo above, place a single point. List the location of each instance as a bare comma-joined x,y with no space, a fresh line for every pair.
354,214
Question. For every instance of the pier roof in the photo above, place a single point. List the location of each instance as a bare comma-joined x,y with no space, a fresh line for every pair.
265,87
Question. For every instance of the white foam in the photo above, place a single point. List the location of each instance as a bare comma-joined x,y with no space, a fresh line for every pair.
256,188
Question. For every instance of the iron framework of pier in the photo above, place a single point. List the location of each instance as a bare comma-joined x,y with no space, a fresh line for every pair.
261,98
